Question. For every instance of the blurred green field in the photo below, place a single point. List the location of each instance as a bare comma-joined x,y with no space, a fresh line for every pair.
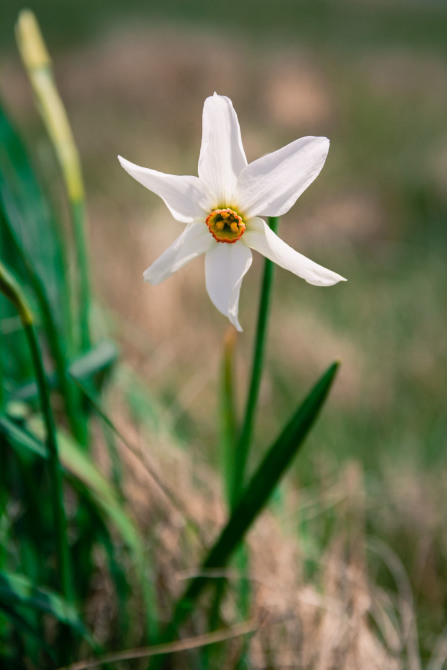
373,78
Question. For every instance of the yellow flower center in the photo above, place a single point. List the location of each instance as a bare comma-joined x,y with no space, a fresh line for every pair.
225,225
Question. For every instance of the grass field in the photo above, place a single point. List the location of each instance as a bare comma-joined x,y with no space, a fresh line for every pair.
359,522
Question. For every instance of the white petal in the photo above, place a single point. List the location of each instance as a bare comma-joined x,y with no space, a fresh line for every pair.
225,267
184,196
222,155
194,241
260,237
271,185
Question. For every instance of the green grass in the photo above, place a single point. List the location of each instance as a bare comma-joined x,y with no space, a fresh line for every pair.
387,324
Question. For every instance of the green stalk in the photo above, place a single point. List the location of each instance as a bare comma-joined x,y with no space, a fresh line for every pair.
12,291
227,413
37,62
84,305
243,446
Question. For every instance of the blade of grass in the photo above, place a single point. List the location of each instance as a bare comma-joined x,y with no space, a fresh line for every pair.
90,368
245,628
167,492
242,448
37,63
13,292
21,439
89,483
29,212
256,494
17,589
19,622
96,494
31,237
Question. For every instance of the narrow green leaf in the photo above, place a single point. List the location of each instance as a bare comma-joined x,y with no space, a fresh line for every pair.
95,485
19,438
19,590
31,222
38,66
18,622
34,251
90,368
91,483
258,491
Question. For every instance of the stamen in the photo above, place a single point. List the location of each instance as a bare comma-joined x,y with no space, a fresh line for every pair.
225,225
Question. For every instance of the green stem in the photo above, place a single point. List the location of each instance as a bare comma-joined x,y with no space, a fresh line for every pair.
84,302
243,446
12,291
227,414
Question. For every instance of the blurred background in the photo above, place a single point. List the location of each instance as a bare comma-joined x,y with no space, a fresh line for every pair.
371,76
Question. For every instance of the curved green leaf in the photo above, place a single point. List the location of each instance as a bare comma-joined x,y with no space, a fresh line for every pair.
19,590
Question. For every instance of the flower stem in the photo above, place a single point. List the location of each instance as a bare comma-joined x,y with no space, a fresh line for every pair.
227,413
11,290
243,446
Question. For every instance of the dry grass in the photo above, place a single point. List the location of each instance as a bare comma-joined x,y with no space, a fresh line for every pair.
332,617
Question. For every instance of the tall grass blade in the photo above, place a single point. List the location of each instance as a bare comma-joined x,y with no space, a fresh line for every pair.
31,248
12,291
38,66
91,369
20,439
19,623
28,214
91,484
18,590
257,492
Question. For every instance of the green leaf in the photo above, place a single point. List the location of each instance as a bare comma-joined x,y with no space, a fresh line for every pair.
21,439
33,250
91,483
19,623
90,368
259,489
84,472
96,485
37,247
19,590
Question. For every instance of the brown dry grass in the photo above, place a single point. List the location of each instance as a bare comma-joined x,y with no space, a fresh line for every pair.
335,618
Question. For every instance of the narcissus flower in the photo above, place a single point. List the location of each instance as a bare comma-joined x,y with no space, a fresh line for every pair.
223,206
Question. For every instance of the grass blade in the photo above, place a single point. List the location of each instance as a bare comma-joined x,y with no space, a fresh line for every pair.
257,493
19,590
34,252
21,439
37,62
13,292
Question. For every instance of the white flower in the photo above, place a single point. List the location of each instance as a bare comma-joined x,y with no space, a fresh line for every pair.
221,207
